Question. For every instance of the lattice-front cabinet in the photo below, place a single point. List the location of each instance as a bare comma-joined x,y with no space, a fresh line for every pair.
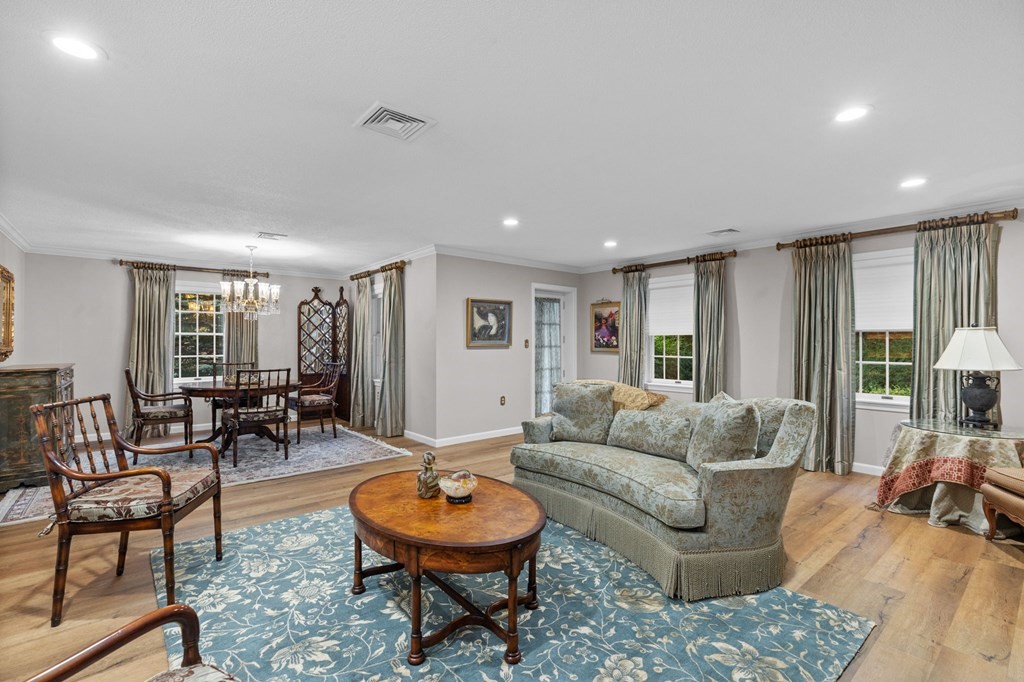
324,337
20,386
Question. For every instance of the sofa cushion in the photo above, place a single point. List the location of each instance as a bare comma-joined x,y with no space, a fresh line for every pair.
770,411
726,431
626,397
664,488
656,433
582,412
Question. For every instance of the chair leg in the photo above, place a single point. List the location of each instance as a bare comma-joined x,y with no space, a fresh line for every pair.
60,575
122,551
990,516
167,526
286,440
298,426
321,421
138,440
234,449
334,424
216,526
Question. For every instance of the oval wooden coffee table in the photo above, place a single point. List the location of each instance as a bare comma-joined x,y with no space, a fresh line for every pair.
499,530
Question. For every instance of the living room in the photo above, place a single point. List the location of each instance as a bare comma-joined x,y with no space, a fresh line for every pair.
79,189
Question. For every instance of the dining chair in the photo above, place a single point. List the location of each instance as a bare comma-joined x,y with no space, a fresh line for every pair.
167,412
192,666
95,491
317,399
225,370
259,402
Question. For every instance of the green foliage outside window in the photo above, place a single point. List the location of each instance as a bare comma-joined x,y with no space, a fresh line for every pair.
673,357
198,334
884,362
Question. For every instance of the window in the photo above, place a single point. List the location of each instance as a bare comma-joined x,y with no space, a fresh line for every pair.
670,330
198,340
883,286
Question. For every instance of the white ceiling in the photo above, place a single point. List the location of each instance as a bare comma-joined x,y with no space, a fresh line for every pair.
651,123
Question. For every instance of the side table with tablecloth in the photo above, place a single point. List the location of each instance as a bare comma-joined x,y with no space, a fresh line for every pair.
936,468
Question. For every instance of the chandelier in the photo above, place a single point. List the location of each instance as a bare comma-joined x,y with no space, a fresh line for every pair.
250,296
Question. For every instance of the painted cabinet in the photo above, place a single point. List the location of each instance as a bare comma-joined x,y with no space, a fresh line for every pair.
20,386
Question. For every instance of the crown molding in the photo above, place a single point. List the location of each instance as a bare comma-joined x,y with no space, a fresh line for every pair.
8,230
443,250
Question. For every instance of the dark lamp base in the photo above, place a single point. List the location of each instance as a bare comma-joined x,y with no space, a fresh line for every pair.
978,393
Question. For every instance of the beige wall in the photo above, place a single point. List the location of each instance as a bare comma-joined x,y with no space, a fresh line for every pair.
421,366
80,312
13,258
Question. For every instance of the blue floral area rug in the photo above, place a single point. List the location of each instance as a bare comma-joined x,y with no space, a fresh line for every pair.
279,607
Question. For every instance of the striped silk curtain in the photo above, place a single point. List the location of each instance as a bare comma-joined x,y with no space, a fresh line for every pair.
149,351
242,339
633,327
954,286
823,342
362,402
547,348
391,407
708,330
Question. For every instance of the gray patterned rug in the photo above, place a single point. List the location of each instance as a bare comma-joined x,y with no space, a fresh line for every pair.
257,461
279,607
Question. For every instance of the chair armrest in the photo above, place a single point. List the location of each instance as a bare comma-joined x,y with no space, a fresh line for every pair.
538,429
181,614
186,447
162,474
744,500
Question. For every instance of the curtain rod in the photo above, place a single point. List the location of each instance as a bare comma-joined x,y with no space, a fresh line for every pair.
227,272
920,226
397,265
703,258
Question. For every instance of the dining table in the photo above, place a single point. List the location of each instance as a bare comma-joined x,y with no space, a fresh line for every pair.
215,389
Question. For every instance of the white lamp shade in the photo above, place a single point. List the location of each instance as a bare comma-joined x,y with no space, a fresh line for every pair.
976,349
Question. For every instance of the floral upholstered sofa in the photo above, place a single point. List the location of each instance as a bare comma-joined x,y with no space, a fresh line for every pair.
693,493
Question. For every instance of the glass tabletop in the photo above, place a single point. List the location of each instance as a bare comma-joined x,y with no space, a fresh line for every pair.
952,428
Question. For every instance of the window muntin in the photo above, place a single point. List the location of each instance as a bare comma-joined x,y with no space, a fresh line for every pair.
884,363
673,357
198,340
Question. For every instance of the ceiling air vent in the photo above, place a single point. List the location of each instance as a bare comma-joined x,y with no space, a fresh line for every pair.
384,119
722,233
273,236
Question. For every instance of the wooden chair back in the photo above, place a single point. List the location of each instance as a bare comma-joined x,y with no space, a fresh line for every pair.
260,389
78,437
133,392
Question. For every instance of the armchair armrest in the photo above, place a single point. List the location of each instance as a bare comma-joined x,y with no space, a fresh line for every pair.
186,447
538,429
745,500
181,614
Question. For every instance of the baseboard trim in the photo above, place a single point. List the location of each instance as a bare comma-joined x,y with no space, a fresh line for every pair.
465,438
870,469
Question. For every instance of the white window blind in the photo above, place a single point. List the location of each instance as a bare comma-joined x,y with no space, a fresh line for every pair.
670,305
883,290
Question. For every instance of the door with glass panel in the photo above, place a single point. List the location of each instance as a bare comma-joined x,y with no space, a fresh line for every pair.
548,341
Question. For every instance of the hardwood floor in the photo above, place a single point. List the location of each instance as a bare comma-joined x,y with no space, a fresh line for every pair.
947,603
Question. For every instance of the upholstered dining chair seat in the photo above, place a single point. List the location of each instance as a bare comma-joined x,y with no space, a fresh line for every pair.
138,497
164,411
194,673
251,413
318,399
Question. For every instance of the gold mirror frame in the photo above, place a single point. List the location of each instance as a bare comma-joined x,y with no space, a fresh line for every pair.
7,313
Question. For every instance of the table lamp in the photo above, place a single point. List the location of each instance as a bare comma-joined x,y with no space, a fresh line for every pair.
977,350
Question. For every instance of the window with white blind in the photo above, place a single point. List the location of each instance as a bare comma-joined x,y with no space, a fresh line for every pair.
883,287
670,330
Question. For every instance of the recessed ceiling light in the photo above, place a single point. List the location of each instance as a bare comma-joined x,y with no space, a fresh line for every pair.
611,243
75,47
852,114
913,182
510,222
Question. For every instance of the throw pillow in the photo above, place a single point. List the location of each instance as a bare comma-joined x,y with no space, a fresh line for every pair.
582,412
624,396
656,433
726,431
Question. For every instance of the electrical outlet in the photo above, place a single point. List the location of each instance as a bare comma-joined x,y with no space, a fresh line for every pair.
502,400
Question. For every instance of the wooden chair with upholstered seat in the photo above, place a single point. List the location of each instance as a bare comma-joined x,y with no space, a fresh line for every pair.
95,491
260,401
318,399
167,412
192,666
227,371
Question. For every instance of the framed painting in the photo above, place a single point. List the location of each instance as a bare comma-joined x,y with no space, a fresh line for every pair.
6,313
488,323
604,316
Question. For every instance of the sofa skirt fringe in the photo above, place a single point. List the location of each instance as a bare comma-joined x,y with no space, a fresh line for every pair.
687,575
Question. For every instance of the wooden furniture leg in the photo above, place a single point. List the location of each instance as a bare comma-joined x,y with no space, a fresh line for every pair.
416,655
512,653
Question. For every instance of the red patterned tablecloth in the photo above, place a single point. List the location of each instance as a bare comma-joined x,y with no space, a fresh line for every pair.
918,457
